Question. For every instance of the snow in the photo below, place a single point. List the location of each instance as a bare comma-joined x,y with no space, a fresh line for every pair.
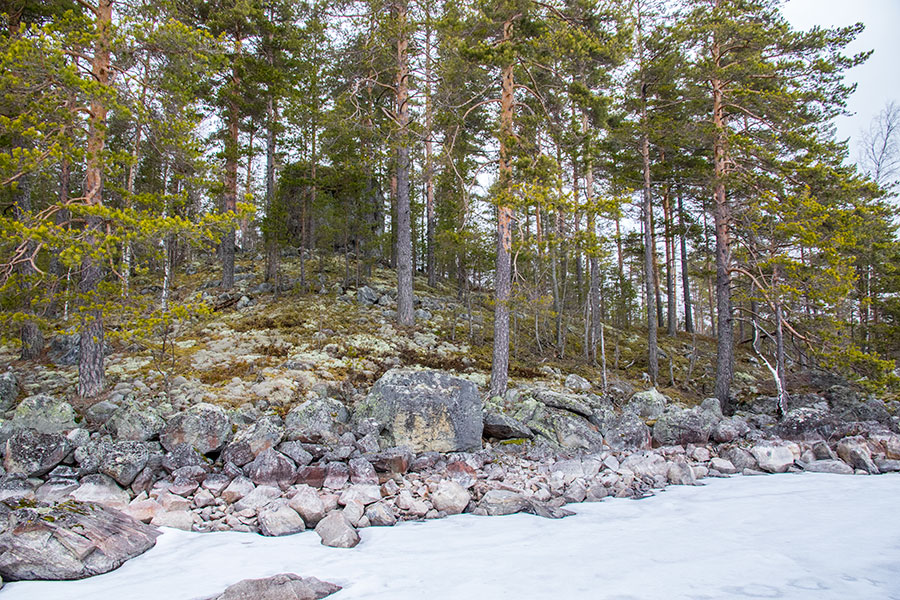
809,536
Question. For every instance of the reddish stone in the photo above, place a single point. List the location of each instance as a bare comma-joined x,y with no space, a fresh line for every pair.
312,476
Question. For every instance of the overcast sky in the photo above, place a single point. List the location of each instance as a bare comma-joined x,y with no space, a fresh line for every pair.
878,79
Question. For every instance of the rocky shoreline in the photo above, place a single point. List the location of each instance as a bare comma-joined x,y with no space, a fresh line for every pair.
422,445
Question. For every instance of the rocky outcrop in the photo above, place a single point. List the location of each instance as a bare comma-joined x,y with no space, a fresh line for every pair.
69,540
425,410
286,586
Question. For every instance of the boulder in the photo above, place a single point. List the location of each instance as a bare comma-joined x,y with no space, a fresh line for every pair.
101,489
501,502
681,426
577,383
257,498
183,455
723,466
124,460
628,431
33,454
42,413
271,468
772,458
728,430
380,515
855,452
425,410
367,296
740,458
279,519
360,493
649,466
573,404
847,405
807,423
362,472
450,497
286,586
252,441
837,467
237,489
316,421
69,540
204,427
503,427
9,391
101,411
307,503
680,473
174,519
336,531
649,404
133,421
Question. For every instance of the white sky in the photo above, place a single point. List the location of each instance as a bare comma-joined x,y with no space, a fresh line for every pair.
878,78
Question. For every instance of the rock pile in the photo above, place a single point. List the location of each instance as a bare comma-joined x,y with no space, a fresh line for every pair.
413,450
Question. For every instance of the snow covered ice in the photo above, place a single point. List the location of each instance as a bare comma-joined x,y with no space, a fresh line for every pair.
809,536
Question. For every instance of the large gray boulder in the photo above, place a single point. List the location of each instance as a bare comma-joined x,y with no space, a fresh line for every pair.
40,412
31,453
807,423
286,586
649,404
315,421
682,426
204,426
425,411
628,431
279,519
69,540
135,422
9,391
124,460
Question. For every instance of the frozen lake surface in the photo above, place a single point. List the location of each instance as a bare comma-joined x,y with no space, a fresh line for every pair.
809,536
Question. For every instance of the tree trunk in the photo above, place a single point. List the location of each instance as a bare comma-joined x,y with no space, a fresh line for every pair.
91,371
232,152
671,311
722,219
273,252
502,283
429,162
405,314
685,281
647,209
30,333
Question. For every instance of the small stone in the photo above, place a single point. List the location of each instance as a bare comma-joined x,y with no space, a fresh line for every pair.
286,586
722,466
680,473
836,467
773,459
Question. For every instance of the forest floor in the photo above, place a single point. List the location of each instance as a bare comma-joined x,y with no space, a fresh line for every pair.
277,350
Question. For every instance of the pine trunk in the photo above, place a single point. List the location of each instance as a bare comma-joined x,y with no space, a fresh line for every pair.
685,281
91,372
405,314
502,283
722,219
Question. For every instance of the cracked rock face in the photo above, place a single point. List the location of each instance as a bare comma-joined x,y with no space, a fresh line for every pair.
68,540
